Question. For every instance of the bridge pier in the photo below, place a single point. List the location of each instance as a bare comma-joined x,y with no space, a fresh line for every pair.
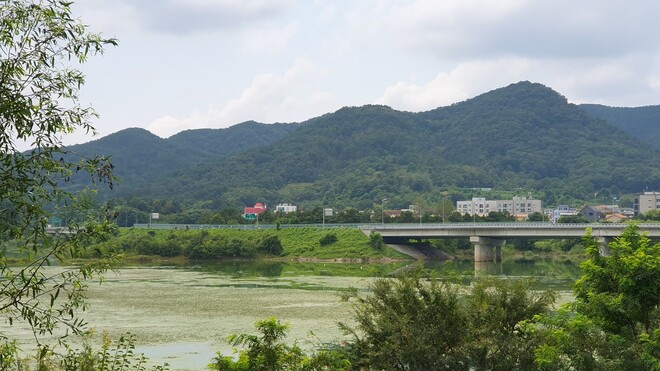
603,247
487,249
488,267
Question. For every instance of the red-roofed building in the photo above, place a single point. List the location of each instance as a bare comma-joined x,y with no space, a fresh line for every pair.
250,213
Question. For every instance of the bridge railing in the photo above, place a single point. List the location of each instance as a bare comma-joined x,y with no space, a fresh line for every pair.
386,226
241,226
493,225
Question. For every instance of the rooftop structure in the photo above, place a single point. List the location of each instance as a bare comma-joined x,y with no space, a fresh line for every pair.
251,213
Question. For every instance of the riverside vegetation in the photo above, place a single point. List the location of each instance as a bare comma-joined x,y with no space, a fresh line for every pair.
416,323
304,243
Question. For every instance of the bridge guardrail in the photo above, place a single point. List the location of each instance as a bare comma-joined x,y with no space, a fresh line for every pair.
368,226
240,226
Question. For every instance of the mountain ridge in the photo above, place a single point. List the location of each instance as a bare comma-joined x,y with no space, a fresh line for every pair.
524,137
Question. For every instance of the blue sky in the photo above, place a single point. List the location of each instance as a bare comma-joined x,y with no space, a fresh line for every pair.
186,64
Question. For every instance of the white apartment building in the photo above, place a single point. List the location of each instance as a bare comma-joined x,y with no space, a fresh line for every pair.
562,210
645,202
518,206
286,208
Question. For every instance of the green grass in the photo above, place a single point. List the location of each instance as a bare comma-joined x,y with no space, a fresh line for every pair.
296,243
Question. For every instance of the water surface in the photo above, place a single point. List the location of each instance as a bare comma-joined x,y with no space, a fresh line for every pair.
182,315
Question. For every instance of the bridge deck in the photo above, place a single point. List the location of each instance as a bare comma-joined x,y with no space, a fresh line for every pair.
503,230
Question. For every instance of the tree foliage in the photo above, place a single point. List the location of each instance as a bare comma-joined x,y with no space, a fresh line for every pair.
653,215
580,219
640,122
264,352
40,46
614,324
376,241
328,239
621,292
410,323
271,245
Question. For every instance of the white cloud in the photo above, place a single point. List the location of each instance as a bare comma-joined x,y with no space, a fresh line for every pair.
625,81
191,16
267,40
328,12
654,82
463,82
109,17
453,29
289,97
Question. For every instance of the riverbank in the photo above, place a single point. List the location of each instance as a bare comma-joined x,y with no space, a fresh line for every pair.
147,247
318,244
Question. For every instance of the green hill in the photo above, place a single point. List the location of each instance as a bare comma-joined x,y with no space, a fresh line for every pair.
140,157
523,138
641,122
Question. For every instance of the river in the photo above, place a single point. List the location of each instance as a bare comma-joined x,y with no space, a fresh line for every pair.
182,315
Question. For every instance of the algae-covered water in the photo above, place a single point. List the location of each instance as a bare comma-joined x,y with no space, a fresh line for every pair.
183,315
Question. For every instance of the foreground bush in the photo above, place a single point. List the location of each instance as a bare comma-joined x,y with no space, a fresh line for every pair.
267,352
614,324
118,355
411,323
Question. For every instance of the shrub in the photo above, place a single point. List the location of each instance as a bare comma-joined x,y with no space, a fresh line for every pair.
271,245
328,239
376,240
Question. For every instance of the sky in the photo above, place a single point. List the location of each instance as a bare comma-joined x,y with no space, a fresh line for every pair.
188,64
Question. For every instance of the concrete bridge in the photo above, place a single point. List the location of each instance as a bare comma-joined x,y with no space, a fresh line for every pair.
488,238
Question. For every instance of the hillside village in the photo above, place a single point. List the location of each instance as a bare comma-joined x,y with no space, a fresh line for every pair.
519,208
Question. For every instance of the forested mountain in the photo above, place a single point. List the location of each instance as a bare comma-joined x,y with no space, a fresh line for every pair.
524,138
641,122
140,156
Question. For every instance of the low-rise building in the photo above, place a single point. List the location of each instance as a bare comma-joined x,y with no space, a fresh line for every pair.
286,208
592,213
615,218
251,213
392,213
562,210
646,202
517,206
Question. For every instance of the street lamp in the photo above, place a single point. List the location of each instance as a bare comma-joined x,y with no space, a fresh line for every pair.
382,210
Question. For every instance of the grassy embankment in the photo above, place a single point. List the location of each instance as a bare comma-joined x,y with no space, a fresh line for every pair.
299,243
154,246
